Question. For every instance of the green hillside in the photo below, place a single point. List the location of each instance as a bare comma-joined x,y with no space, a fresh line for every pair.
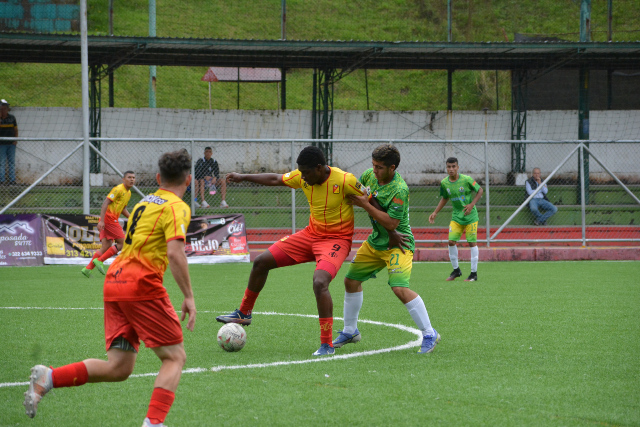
180,87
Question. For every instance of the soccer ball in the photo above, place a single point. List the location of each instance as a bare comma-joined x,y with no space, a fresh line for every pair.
232,337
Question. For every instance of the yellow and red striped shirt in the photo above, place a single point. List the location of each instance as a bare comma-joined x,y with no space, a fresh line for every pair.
119,197
330,215
137,272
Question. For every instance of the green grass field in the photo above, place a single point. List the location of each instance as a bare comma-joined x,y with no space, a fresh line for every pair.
529,344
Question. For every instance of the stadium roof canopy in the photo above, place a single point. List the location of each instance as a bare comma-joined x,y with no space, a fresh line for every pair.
346,55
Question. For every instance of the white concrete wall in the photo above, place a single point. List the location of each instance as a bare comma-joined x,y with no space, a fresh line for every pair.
421,163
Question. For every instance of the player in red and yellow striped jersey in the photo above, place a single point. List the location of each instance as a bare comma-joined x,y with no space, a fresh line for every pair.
326,240
109,226
136,305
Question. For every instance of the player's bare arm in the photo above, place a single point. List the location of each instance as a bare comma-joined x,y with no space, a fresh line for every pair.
380,216
469,207
268,179
441,203
180,271
125,212
396,240
103,213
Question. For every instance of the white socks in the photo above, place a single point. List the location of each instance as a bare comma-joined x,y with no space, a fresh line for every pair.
474,258
419,314
352,306
453,256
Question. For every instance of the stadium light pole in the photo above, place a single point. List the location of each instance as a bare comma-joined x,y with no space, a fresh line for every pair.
84,63
583,95
152,68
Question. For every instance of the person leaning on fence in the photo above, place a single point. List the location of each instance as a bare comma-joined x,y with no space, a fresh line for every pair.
208,175
8,129
540,200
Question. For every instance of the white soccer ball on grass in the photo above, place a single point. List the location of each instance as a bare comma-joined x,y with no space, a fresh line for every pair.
232,337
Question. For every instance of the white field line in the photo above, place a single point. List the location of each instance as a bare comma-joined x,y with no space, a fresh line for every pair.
219,368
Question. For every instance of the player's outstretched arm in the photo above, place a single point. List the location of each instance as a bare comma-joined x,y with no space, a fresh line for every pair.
180,270
269,179
441,203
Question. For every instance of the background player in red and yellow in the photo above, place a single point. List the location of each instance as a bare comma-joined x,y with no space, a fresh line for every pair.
109,226
326,240
136,305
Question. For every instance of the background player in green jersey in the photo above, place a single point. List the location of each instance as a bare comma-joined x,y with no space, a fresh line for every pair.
388,209
458,188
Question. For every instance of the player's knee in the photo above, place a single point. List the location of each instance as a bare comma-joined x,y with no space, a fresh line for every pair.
263,263
452,243
320,284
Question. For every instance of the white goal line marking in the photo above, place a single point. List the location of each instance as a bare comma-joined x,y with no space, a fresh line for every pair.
219,368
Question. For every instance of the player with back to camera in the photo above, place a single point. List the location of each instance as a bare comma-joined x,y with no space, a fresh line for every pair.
326,240
458,188
109,226
136,304
390,191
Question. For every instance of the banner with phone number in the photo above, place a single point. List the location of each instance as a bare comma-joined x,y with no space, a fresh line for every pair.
21,240
73,239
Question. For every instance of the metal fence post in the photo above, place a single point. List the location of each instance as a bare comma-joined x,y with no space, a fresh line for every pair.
486,177
582,196
193,178
293,191
86,153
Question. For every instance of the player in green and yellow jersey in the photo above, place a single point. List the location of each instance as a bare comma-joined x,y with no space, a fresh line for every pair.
388,209
326,240
109,226
458,188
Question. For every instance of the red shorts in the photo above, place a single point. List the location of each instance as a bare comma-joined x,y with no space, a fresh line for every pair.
154,321
328,252
112,231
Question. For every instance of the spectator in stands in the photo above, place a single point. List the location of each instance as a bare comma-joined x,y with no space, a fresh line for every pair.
8,129
208,175
540,200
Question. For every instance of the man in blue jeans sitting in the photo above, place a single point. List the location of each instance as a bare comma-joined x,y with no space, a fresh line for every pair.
8,129
540,200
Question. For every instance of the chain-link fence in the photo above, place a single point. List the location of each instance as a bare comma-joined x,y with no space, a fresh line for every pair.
603,208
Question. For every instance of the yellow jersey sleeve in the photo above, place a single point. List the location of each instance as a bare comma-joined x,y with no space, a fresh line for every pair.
293,179
353,186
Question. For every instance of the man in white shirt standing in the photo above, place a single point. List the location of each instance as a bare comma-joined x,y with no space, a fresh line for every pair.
540,200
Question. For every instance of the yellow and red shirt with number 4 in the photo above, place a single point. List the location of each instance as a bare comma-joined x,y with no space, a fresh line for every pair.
136,274
331,215
119,197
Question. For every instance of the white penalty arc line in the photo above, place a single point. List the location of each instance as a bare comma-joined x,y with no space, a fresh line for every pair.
219,368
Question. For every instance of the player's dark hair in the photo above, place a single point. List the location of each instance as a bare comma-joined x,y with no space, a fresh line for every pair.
127,173
452,160
174,167
208,148
311,157
387,154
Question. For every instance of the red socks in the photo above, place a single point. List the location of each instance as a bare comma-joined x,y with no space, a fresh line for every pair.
72,375
248,301
326,330
96,254
109,253
161,401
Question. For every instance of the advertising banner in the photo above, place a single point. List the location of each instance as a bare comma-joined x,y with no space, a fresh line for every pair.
73,239
217,238
21,240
